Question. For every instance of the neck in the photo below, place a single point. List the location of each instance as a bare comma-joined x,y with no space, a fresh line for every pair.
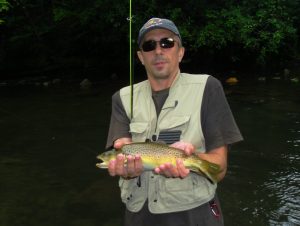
158,84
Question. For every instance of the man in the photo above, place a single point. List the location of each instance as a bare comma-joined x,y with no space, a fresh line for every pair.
189,112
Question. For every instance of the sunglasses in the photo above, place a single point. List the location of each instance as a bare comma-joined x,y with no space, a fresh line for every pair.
165,43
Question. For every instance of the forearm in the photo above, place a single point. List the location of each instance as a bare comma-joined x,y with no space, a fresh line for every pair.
217,156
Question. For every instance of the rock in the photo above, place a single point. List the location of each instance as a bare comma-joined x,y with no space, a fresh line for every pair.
114,76
261,79
286,74
276,78
22,82
3,84
295,80
46,84
85,84
56,81
232,81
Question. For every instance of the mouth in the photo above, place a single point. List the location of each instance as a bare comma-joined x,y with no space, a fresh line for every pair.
159,64
102,165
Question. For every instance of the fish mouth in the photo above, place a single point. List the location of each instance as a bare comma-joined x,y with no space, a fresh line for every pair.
102,165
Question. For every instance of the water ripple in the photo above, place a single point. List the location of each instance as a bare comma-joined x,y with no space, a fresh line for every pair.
285,186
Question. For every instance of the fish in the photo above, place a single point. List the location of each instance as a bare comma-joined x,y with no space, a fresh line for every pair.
155,154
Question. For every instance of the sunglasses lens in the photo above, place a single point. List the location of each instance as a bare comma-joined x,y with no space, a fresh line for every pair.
149,46
164,43
167,43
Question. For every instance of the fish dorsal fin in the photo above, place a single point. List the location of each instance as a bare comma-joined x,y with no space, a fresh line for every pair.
161,142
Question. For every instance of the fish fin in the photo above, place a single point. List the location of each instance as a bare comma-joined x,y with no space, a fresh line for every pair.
209,177
206,169
161,142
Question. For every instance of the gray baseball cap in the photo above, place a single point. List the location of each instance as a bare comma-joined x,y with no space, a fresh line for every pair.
155,23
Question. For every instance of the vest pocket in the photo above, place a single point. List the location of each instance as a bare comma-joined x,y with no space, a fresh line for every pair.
128,188
175,191
178,184
175,123
131,194
138,131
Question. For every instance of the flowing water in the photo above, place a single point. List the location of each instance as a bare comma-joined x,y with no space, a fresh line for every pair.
50,137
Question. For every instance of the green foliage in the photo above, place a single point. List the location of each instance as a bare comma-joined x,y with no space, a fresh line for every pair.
94,33
4,6
259,27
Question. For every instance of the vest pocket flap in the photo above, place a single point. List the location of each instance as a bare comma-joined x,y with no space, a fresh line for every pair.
138,127
174,122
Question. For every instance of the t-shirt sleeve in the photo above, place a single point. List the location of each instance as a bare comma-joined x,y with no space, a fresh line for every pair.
218,124
119,122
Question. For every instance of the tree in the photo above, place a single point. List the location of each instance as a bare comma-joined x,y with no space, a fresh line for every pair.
4,6
85,37
260,30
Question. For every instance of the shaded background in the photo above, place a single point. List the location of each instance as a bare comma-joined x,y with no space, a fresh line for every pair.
52,125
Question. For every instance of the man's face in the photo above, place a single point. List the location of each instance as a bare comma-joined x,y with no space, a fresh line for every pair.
161,63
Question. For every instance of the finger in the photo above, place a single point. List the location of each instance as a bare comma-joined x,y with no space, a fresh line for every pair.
118,144
178,144
173,171
189,149
119,168
130,166
162,170
111,167
166,169
121,141
138,165
157,170
182,171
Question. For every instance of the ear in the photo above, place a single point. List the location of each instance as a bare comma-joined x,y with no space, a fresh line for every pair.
180,53
140,55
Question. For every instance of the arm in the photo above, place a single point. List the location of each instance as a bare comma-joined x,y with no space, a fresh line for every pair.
118,136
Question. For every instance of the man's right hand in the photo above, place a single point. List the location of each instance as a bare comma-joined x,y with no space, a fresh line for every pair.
132,168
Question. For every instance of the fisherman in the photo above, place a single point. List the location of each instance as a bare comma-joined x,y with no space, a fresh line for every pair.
186,111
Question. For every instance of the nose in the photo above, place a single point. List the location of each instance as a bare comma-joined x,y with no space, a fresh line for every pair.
158,49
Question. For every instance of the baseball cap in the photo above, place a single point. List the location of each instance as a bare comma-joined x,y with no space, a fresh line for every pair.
155,23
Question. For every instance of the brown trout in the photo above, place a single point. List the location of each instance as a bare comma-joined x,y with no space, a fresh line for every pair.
155,154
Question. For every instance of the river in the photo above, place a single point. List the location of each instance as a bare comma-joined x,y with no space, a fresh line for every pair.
51,136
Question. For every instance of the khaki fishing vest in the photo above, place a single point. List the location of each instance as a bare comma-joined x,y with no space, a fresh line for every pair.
181,112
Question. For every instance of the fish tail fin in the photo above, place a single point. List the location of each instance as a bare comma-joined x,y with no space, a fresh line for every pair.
206,169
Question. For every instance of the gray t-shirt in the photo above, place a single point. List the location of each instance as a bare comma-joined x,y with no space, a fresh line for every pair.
218,125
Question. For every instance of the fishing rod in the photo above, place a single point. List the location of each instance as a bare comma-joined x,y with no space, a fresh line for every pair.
130,61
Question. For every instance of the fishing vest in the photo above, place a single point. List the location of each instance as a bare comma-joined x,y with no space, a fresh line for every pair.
180,114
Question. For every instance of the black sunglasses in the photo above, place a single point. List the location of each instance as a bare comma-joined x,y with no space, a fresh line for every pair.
165,43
